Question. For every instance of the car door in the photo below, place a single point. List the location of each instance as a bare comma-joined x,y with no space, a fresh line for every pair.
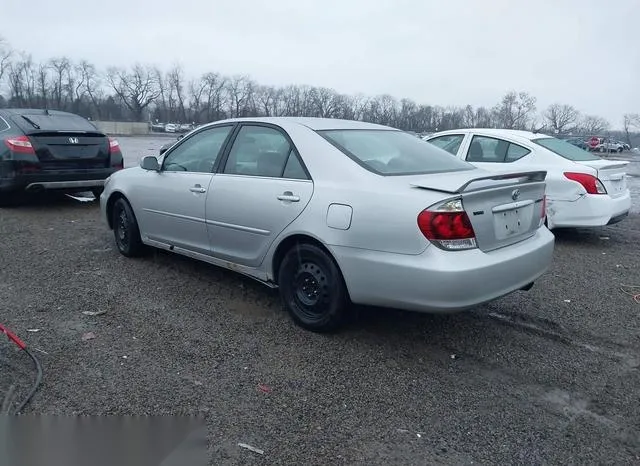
173,199
261,187
497,154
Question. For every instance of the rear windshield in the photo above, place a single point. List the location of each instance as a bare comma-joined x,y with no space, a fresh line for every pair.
393,152
54,122
565,149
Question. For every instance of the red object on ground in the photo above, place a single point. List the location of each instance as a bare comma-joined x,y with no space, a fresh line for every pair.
594,142
12,336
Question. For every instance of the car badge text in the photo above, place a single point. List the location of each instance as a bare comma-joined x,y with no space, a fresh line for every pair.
73,140
515,194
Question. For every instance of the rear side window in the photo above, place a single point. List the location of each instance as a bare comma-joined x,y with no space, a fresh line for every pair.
54,122
565,150
493,150
389,152
450,142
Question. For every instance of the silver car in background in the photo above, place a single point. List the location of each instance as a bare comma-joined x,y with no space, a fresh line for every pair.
334,212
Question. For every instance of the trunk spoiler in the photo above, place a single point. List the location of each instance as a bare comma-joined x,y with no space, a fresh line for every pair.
483,182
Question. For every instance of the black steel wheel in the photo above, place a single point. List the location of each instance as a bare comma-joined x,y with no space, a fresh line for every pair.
312,288
125,229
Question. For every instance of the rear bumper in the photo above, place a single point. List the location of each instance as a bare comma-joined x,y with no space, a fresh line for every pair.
589,211
440,281
68,179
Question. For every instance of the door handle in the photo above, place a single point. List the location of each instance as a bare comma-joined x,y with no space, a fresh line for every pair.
288,196
197,189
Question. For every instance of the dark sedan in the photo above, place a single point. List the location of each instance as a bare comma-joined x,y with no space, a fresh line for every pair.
53,150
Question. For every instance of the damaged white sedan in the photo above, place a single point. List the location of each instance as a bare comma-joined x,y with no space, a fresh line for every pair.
583,190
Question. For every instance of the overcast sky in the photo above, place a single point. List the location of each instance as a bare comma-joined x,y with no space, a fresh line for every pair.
446,52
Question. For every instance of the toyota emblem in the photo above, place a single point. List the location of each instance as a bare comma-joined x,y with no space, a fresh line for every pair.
515,194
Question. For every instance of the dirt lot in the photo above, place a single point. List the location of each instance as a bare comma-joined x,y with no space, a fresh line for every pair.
548,376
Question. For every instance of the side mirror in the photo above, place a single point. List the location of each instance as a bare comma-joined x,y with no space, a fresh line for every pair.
150,163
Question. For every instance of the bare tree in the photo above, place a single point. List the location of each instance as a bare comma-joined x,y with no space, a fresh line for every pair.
176,84
630,121
91,85
593,125
515,110
561,118
214,90
137,88
5,57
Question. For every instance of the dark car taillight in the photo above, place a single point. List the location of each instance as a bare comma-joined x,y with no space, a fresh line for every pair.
448,226
589,182
114,150
20,145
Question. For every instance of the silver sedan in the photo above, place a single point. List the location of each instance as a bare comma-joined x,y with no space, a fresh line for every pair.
334,212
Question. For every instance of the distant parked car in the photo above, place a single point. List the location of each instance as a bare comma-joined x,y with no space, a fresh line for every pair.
607,145
583,190
170,128
47,150
333,211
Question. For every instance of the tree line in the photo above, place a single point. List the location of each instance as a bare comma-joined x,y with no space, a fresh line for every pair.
147,93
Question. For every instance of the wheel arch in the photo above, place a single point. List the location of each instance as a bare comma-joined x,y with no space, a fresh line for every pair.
290,241
113,198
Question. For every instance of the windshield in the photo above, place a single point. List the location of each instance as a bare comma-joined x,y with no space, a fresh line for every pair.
565,149
393,152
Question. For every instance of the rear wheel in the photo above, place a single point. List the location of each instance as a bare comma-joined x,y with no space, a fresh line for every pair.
620,149
312,288
125,229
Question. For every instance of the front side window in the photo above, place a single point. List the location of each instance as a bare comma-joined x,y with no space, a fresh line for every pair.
565,150
263,151
388,152
450,142
197,153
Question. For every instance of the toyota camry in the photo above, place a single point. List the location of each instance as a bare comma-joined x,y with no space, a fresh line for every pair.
335,212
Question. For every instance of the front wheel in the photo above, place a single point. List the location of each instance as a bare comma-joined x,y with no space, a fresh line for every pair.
125,230
312,289
620,149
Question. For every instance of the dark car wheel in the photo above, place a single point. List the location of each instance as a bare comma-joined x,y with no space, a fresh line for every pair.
125,230
312,289
620,149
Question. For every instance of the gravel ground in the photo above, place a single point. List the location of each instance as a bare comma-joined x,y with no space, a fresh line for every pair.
547,376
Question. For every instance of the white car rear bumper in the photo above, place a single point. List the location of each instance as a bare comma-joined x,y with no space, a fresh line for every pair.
590,210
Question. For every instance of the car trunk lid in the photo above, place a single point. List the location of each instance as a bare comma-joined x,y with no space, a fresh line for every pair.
503,208
64,150
612,174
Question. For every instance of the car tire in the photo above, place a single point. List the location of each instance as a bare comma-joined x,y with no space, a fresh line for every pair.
125,230
620,150
312,289
97,192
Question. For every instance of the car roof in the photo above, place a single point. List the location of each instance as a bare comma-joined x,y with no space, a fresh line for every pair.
514,133
316,124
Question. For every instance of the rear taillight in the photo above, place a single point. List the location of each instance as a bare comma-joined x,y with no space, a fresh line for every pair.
20,145
114,149
447,225
114,146
589,182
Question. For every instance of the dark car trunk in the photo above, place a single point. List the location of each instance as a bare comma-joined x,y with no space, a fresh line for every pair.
64,141
71,150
